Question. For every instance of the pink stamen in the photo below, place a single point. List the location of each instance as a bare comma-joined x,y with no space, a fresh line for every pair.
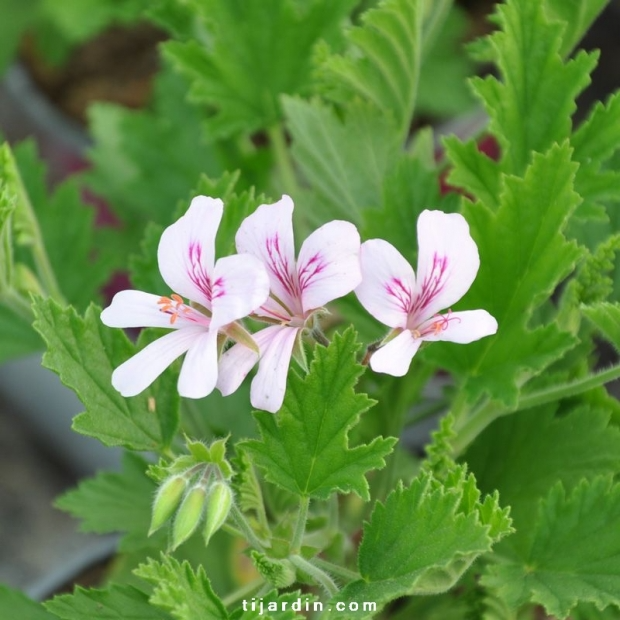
175,307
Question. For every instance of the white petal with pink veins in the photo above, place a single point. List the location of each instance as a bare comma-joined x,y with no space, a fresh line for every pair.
276,348
267,234
394,358
240,285
136,309
139,371
186,250
448,262
328,264
461,327
235,364
199,371
388,283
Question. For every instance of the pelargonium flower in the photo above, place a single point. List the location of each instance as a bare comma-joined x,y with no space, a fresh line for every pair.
448,262
220,292
327,268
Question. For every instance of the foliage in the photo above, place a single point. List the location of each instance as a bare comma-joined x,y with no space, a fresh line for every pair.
514,503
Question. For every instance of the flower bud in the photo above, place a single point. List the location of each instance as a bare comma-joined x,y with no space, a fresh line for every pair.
279,573
189,515
218,506
167,500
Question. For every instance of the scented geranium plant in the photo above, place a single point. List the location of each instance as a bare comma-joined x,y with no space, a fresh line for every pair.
310,278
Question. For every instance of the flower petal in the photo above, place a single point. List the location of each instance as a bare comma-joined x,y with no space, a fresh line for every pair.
186,250
394,358
240,285
448,262
328,264
269,385
268,235
139,371
135,309
461,327
388,283
235,364
199,371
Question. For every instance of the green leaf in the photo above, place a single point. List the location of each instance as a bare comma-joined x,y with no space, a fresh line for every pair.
536,449
423,539
178,589
81,261
344,161
14,604
83,352
531,108
605,316
384,64
113,603
523,258
112,502
145,161
255,50
304,448
574,554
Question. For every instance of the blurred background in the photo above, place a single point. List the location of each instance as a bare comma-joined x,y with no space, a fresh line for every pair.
56,60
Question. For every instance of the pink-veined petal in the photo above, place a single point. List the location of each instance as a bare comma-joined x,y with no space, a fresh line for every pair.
394,358
235,364
269,385
328,264
199,371
448,262
268,235
186,250
462,327
240,285
139,371
388,283
135,309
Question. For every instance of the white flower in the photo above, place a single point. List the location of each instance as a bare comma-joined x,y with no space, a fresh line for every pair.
447,266
222,292
327,268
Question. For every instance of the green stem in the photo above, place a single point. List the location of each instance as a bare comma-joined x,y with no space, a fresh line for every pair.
335,569
473,426
283,160
300,524
321,577
242,592
245,528
15,302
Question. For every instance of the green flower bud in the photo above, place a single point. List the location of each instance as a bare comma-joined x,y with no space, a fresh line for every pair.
279,573
167,500
189,515
218,506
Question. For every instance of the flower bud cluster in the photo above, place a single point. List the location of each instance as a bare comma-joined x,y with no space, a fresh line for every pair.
194,490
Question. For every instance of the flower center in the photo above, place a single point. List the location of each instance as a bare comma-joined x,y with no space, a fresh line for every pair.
174,306
436,326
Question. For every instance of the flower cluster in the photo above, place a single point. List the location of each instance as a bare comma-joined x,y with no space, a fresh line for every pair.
265,281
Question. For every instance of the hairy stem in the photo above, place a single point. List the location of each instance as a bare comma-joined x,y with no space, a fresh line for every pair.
300,524
246,529
335,569
321,577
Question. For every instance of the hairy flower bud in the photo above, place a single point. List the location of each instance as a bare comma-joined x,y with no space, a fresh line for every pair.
279,573
218,506
189,515
167,501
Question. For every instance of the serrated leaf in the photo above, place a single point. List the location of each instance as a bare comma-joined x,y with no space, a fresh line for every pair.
423,539
256,51
344,161
305,447
113,603
574,554
605,316
384,66
15,604
83,352
536,449
178,589
531,108
523,258
112,502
